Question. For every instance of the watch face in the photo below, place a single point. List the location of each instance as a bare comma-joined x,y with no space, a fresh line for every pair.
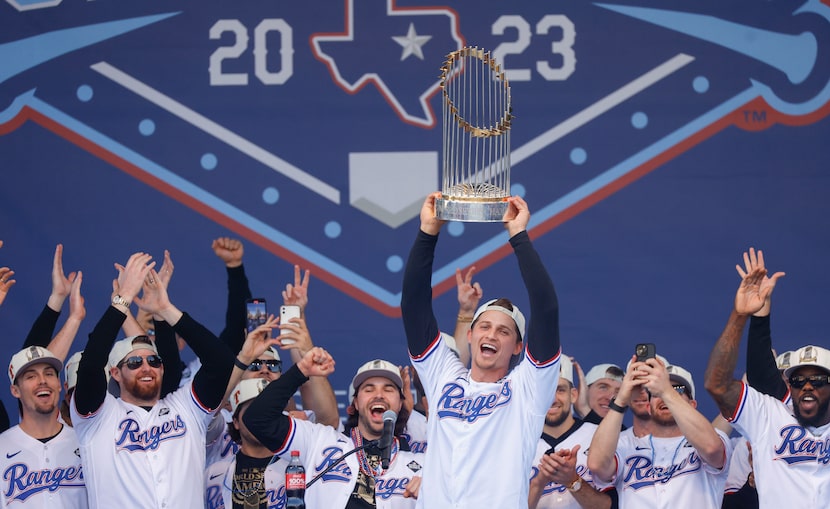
576,485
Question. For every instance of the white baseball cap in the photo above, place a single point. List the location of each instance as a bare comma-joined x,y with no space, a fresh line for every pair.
271,352
246,390
601,371
566,369
121,349
809,356
71,371
377,367
30,356
516,315
678,374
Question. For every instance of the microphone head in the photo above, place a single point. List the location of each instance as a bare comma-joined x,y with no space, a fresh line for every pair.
390,415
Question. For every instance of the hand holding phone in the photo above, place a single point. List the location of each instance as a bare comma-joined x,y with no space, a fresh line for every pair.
645,351
286,314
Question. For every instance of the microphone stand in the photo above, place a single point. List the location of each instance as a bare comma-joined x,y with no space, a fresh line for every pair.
341,458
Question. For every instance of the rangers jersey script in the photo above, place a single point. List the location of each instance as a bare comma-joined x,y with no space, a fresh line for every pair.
41,475
791,461
138,458
320,446
478,428
415,432
655,472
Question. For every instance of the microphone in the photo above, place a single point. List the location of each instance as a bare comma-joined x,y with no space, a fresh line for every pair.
385,442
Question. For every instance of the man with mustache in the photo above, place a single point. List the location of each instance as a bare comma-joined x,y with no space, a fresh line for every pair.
790,448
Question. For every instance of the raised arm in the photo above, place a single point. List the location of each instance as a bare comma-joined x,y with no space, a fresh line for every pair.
256,343
601,461
697,429
91,388
62,342
230,251
761,368
44,326
210,381
264,418
719,379
317,394
419,321
543,329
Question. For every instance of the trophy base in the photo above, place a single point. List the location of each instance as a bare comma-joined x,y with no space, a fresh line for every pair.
470,211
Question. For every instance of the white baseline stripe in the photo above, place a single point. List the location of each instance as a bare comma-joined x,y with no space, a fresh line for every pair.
270,160
598,108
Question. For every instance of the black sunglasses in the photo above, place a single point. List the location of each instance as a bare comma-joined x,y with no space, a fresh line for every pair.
134,362
274,366
817,381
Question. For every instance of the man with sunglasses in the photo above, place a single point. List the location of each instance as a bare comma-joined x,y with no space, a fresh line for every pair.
682,463
141,450
790,447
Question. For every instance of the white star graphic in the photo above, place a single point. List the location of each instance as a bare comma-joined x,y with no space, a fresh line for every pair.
412,42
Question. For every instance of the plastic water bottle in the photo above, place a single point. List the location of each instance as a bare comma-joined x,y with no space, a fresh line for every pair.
295,483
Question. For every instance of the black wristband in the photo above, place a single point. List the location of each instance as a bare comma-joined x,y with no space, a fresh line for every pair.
239,364
617,408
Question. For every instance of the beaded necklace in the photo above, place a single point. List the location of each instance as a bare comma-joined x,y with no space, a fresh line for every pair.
363,461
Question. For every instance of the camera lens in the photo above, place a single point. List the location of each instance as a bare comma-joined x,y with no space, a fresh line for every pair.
641,350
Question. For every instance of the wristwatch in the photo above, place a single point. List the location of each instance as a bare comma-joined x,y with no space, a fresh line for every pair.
118,300
576,485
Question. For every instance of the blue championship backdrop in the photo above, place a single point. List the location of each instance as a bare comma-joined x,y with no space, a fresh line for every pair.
654,141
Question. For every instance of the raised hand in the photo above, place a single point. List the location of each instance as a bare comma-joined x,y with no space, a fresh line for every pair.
754,261
751,296
76,300
517,216
297,294
166,270
154,299
228,250
258,341
6,282
316,362
469,293
294,334
61,284
131,276
429,222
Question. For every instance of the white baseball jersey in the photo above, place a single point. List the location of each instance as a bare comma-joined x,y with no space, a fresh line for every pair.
481,430
136,458
219,481
37,475
667,473
415,432
555,495
220,446
790,461
321,445
739,467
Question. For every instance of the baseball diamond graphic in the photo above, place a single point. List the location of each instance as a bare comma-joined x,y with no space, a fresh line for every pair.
129,127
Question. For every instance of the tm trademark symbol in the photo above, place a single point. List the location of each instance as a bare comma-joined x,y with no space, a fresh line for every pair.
755,116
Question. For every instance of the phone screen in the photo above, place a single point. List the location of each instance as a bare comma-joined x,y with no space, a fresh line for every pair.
257,313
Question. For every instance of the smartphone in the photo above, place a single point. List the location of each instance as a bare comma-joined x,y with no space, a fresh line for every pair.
257,313
645,351
286,314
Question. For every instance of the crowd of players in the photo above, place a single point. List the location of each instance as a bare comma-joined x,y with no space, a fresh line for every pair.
494,415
